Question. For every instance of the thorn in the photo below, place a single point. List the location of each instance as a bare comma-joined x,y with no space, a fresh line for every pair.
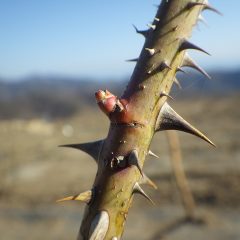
202,19
151,69
91,148
163,66
152,154
188,62
146,180
141,86
175,28
177,83
134,160
98,226
83,197
139,190
180,70
132,60
194,4
209,7
157,19
205,6
188,45
152,26
168,119
151,51
164,94
145,33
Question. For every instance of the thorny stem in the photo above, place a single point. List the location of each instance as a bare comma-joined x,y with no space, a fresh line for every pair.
131,130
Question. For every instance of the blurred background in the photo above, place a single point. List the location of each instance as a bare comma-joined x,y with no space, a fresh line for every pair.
54,56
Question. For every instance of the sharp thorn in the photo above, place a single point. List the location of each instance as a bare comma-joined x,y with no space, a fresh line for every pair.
194,4
205,6
152,154
151,51
163,66
202,19
134,160
98,226
189,62
144,32
91,148
185,45
83,197
132,60
139,190
209,7
175,28
157,19
136,29
168,119
152,26
177,83
180,70
152,69
146,180
164,94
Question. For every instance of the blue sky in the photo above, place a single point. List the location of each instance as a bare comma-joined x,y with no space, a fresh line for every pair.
93,38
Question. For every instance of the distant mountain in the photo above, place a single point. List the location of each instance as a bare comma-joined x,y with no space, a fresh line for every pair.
48,97
53,97
221,82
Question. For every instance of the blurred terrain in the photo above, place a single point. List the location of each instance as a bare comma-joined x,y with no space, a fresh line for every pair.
52,97
38,114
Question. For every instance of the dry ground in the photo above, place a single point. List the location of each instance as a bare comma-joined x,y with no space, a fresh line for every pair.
34,173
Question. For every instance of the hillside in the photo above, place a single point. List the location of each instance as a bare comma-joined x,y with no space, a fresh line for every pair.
57,97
